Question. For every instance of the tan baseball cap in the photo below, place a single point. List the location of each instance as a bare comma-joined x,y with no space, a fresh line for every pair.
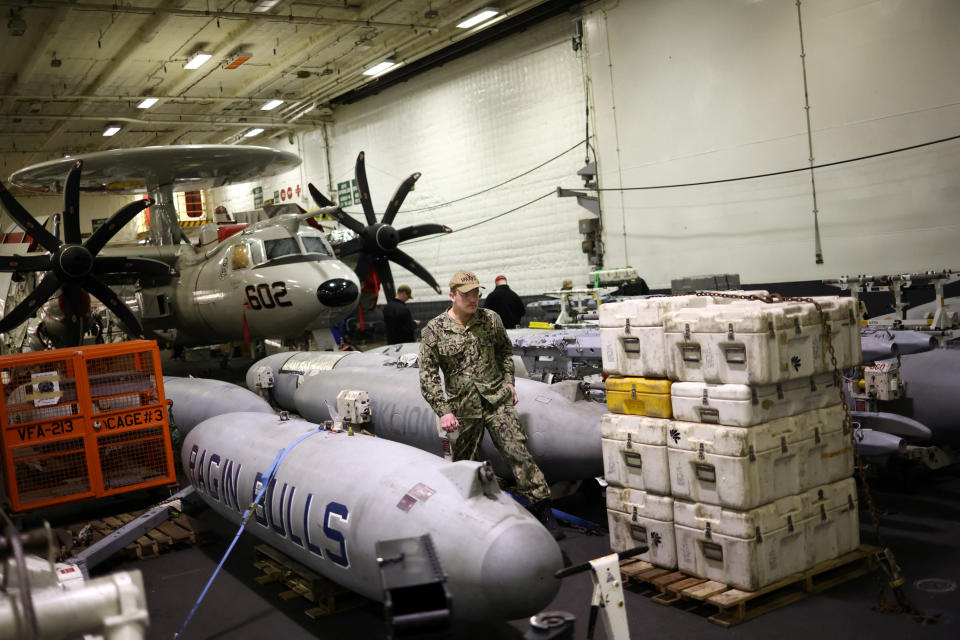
464,281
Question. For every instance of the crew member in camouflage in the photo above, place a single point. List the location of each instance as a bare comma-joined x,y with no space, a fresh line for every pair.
471,347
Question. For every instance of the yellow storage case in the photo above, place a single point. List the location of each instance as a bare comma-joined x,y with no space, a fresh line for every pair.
639,396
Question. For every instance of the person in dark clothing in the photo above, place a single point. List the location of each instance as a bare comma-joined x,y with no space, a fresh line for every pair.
397,321
506,303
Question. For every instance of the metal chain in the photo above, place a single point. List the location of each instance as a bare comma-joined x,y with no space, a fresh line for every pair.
884,558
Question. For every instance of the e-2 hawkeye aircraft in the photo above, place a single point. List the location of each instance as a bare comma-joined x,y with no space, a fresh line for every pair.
276,278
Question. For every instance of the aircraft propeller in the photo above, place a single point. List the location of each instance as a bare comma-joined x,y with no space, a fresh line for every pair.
73,267
376,242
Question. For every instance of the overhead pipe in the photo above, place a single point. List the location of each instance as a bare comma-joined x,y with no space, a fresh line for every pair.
215,123
215,14
329,91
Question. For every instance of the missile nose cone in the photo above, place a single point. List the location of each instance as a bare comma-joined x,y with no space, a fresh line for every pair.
517,571
337,292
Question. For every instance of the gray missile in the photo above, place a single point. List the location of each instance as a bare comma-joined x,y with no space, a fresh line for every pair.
932,382
563,435
334,496
197,399
877,444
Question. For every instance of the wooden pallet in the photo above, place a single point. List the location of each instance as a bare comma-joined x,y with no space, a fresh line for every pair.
180,530
326,596
735,605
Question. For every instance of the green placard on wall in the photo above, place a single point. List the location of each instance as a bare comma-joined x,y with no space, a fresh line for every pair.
347,193
257,197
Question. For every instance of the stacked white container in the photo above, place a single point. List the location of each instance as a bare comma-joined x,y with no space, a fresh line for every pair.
639,499
759,462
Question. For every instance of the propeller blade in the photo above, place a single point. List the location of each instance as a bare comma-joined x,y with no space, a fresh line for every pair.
47,287
71,207
116,222
72,303
321,200
105,294
25,263
421,230
27,222
347,248
363,267
399,197
348,221
382,265
364,188
146,266
413,267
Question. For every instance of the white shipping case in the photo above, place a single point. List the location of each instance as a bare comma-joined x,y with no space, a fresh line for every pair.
633,351
747,343
741,405
829,456
737,467
635,452
743,467
744,549
636,518
831,521
631,331
843,318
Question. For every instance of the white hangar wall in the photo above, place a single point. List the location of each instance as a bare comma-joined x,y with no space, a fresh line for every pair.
685,91
240,197
467,126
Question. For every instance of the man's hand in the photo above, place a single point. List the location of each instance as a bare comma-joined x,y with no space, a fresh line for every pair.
516,399
449,422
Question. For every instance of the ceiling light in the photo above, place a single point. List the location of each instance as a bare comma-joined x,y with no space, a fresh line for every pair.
197,60
264,5
380,68
475,18
253,132
111,129
273,104
237,58
147,103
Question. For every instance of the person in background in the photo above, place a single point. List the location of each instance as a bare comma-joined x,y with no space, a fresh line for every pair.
470,346
567,285
397,321
506,303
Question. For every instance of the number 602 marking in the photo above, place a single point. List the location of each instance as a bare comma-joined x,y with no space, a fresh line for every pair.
260,297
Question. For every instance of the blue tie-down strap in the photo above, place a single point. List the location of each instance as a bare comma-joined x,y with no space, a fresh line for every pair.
267,479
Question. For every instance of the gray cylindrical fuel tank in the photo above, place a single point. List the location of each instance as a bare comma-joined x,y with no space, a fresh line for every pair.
562,435
335,496
197,399
933,382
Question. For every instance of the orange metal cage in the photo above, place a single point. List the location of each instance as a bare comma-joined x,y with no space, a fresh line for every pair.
83,422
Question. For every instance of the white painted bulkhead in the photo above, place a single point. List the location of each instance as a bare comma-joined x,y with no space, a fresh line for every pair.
680,92
696,90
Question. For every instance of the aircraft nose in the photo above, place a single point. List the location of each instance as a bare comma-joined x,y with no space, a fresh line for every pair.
517,571
337,292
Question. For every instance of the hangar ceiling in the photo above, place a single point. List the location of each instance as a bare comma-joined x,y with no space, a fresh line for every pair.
69,70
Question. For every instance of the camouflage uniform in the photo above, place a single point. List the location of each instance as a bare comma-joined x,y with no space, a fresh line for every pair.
477,365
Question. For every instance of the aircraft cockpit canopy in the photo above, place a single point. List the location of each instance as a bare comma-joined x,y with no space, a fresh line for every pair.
280,247
275,243
315,244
